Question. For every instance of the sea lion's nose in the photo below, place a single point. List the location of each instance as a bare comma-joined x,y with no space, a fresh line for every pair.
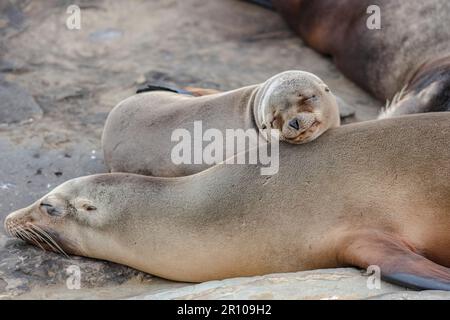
294,124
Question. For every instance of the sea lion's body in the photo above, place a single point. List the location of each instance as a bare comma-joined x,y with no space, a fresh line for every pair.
375,193
411,51
137,137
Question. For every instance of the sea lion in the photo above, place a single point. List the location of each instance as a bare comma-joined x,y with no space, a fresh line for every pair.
345,109
138,131
374,193
407,61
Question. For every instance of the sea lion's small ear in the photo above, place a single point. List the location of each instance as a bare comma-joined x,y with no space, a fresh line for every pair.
264,126
84,205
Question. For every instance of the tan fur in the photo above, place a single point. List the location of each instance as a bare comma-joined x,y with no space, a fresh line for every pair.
361,194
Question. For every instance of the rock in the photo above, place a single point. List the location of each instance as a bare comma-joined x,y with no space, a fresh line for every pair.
3,23
30,168
17,105
346,283
163,79
105,35
414,295
24,268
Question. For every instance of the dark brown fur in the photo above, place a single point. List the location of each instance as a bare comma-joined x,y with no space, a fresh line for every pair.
410,52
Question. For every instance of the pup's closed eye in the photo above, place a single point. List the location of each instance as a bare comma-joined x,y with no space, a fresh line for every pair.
89,207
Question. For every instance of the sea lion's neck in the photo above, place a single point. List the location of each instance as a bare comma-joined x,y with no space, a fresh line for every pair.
257,105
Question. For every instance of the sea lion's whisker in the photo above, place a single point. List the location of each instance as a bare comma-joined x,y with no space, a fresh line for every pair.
40,238
43,239
12,230
19,234
35,238
46,235
23,232
15,232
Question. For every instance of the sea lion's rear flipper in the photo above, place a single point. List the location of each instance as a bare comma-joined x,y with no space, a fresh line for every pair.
198,92
398,261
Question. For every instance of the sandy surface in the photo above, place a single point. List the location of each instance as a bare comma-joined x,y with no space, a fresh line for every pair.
64,82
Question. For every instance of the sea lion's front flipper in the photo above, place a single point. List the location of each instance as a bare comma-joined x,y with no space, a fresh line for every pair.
399,261
345,109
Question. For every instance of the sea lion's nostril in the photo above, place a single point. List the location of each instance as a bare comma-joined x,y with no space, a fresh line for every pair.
294,124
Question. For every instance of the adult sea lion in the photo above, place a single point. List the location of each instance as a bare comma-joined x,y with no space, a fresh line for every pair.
375,193
407,61
138,131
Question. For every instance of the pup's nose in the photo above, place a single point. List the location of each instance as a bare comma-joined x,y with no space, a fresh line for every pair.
294,124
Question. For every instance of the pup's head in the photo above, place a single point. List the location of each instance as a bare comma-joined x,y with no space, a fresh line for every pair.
297,103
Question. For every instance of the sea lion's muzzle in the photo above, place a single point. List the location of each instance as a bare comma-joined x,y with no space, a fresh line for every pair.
16,219
22,224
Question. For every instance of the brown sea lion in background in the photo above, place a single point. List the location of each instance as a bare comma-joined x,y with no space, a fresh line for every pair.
374,193
406,62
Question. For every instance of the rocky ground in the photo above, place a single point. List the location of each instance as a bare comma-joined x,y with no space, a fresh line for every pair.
58,85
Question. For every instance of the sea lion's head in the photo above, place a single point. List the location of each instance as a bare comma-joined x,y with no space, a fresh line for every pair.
297,103
74,218
427,91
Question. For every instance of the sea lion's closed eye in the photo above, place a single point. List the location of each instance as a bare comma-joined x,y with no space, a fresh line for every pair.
50,209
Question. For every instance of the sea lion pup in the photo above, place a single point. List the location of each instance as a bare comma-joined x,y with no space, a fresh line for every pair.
406,62
374,193
137,137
